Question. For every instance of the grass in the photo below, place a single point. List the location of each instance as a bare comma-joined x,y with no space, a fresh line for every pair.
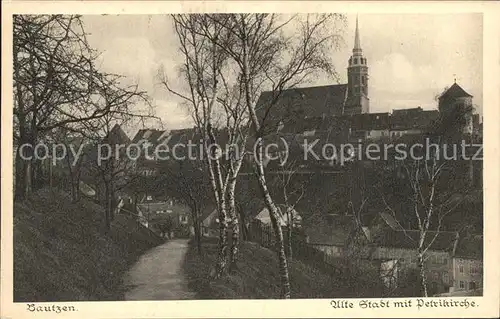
257,276
61,252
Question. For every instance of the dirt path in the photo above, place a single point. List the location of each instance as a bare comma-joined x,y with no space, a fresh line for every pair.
158,274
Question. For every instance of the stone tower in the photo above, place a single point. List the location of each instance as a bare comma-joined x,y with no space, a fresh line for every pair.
456,105
357,80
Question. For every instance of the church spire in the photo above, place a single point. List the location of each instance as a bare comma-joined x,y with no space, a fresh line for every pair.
357,46
357,80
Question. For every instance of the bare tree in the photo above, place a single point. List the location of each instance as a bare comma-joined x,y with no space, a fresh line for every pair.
263,53
57,84
429,203
209,94
187,182
291,197
265,56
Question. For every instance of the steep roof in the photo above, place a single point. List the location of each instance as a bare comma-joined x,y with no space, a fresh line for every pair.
414,118
391,221
470,247
335,231
370,121
151,135
454,91
314,101
408,239
210,218
264,216
116,136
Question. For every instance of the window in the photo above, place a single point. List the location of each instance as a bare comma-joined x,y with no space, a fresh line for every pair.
472,285
355,60
446,278
183,218
435,276
461,268
445,260
474,269
309,133
462,284
363,80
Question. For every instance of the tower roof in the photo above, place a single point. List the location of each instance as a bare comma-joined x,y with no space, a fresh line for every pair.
357,43
455,91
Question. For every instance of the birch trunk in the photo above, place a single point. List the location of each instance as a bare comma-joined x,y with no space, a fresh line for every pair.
216,179
423,279
235,235
273,214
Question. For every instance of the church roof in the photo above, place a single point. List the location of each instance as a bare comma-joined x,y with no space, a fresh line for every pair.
305,102
455,91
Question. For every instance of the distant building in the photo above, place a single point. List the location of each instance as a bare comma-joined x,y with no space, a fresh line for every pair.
455,100
452,263
154,145
331,234
323,101
467,264
369,126
411,121
210,224
264,217
153,213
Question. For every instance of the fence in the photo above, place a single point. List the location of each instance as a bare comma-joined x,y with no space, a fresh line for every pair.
263,234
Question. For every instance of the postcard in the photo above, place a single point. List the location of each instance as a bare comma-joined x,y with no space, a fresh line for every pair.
250,159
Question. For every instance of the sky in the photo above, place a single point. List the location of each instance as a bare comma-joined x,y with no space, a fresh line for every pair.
411,57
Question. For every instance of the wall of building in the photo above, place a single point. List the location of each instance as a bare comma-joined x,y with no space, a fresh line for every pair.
468,274
335,251
376,134
439,271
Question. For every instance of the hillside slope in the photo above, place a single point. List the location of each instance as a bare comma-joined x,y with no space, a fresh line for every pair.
257,277
61,252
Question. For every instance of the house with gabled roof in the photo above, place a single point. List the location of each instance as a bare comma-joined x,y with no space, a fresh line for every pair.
411,121
452,263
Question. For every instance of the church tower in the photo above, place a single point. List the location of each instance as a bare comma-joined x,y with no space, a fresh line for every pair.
357,80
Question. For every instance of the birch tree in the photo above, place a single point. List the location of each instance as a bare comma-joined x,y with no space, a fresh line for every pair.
273,52
266,52
429,201
213,98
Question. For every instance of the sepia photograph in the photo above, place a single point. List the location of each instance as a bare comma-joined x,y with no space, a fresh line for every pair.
235,156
